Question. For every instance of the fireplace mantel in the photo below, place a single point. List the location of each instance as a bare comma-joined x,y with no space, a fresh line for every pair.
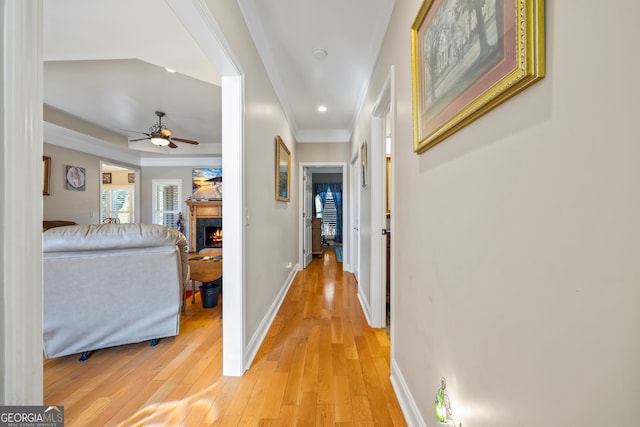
207,209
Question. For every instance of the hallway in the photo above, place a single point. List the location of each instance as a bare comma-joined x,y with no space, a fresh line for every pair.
320,364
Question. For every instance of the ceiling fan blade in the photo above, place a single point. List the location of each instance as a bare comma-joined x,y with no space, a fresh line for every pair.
172,145
134,131
188,141
140,139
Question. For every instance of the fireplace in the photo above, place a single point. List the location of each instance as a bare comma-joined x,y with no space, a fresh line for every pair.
205,224
208,233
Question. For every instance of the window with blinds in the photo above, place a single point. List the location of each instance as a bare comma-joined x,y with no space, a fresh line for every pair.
329,216
117,202
167,202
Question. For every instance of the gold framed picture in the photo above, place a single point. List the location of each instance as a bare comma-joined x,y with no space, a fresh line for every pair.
283,170
363,163
467,57
46,175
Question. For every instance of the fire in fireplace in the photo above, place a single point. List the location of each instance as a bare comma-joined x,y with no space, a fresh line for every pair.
213,237
208,233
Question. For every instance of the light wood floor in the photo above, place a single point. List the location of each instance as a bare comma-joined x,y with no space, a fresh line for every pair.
320,364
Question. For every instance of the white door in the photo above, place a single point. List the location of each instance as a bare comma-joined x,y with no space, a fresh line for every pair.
354,195
307,213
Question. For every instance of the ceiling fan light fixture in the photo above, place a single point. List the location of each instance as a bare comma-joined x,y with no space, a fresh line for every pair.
160,136
160,141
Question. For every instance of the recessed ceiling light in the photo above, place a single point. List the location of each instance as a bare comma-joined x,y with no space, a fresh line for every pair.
322,108
320,53
170,70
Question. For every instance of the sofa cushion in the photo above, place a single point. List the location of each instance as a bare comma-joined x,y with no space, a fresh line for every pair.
99,237
96,237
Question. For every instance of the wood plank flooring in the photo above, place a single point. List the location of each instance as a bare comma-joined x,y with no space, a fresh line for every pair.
319,365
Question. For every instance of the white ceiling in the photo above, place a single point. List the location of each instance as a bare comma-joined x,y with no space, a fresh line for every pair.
103,66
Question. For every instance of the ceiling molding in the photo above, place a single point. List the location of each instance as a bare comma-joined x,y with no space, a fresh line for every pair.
67,138
196,162
376,42
64,120
184,150
72,140
260,39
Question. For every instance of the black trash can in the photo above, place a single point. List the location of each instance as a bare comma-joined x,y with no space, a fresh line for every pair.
209,294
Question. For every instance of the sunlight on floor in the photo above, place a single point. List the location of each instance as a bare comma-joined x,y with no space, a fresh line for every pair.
178,412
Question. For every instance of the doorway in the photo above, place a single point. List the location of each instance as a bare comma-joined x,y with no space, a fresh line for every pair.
119,190
322,205
24,329
382,135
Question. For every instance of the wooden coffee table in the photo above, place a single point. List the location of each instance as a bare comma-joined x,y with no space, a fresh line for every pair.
205,268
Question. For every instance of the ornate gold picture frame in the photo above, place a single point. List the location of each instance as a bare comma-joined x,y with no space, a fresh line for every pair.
469,56
363,163
46,175
283,170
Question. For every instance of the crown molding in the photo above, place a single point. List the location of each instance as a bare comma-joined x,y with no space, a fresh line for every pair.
67,138
196,162
73,140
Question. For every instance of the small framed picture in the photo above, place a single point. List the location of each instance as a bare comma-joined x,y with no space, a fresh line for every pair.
46,175
363,163
106,178
131,178
75,178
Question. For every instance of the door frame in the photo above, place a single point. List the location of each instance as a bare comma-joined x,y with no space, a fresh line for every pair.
354,216
345,208
136,188
198,19
307,218
385,105
21,356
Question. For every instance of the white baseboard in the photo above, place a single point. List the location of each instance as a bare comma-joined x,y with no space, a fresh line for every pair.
256,340
366,308
407,402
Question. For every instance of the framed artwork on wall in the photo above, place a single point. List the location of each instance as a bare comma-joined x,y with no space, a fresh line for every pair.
206,184
363,163
46,175
75,178
106,178
467,57
283,170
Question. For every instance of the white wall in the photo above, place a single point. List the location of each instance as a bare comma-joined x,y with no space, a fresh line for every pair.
69,205
322,152
517,239
149,173
271,235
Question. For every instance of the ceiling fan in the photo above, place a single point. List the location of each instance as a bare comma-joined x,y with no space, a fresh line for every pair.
160,135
